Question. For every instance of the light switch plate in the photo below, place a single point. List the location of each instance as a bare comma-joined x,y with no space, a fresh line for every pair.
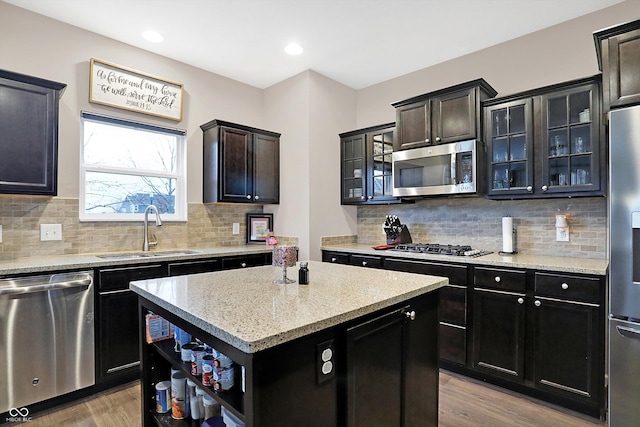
236,228
50,232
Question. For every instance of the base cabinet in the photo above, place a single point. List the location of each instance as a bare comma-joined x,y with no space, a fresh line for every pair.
540,333
117,336
384,372
498,333
386,363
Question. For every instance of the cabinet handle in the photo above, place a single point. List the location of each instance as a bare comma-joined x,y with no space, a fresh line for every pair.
565,286
333,259
520,300
497,279
530,189
545,188
243,265
537,303
438,139
411,315
248,196
257,197
364,263
427,140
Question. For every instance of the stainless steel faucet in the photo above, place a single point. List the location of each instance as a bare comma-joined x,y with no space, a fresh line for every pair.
146,244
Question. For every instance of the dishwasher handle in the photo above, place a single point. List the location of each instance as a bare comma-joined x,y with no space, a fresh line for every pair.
628,332
66,284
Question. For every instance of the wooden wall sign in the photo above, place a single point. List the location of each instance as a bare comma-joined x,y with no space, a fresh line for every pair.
132,90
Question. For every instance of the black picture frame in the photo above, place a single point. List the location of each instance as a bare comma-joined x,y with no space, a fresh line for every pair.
257,224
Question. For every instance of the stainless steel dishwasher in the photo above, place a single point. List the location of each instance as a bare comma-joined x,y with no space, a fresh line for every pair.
46,337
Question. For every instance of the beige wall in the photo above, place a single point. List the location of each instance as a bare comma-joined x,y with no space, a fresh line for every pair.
559,53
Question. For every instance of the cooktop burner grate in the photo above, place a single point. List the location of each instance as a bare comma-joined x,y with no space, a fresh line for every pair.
438,249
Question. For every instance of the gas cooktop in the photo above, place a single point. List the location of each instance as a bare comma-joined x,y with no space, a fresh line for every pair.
437,249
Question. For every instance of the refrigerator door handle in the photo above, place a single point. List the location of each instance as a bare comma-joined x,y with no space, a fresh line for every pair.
628,332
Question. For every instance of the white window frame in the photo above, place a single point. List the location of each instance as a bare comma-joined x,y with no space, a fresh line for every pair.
180,175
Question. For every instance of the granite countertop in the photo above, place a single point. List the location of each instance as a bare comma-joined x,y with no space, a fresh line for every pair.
537,262
39,264
245,309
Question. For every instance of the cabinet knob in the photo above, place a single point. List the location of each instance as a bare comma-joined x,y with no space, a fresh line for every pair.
438,139
364,263
363,198
243,265
257,197
565,286
520,300
497,279
411,315
530,189
333,259
427,140
545,188
248,196
537,303
370,197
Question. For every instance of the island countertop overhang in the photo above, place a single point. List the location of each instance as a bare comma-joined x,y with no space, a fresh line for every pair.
245,309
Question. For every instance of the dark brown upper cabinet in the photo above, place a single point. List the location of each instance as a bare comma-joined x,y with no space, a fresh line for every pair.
28,134
365,166
241,164
618,52
546,142
443,116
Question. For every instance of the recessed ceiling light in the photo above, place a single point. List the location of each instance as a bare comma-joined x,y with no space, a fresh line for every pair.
294,49
152,36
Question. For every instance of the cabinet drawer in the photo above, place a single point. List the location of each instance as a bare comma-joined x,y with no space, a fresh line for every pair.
453,305
366,261
577,288
194,267
457,274
507,280
335,257
246,261
119,278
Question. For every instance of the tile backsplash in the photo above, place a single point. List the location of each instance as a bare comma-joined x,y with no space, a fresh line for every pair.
209,225
478,222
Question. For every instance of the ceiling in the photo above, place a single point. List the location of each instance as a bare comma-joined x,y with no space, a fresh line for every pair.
356,42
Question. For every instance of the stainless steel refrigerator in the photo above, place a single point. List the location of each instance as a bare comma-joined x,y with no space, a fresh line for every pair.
624,267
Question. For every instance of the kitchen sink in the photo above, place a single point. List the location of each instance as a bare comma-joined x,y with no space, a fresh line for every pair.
134,255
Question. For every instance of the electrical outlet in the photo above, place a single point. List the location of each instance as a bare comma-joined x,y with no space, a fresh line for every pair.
236,228
562,234
50,232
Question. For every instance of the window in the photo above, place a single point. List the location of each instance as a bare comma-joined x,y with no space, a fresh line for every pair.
126,166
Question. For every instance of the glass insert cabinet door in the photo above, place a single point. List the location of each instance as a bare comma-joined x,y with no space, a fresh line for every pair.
380,155
510,147
353,167
570,160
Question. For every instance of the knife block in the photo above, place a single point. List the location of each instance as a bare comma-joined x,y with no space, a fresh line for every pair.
403,237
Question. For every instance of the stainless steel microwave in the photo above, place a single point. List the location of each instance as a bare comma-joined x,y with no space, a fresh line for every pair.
440,169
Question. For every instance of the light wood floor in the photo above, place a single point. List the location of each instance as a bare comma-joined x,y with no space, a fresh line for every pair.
463,403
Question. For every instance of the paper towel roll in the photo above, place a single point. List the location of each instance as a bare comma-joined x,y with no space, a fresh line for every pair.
507,234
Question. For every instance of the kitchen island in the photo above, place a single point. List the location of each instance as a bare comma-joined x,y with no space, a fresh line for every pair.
354,347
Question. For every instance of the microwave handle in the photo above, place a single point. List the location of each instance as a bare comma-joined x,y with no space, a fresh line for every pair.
453,169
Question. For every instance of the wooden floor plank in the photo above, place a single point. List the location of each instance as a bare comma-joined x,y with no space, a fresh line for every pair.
463,403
